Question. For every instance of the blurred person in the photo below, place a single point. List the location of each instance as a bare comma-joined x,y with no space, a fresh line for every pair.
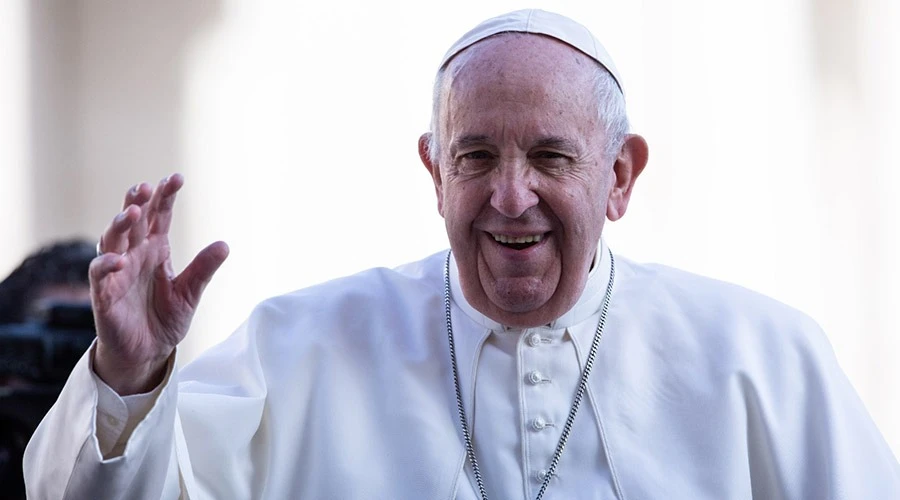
48,280
48,291
54,274
529,361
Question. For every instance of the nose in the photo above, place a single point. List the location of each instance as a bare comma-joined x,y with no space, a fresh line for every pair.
513,191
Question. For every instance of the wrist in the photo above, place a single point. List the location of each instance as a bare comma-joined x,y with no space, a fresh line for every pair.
126,377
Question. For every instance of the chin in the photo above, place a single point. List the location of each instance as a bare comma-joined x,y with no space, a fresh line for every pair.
519,295
524,311
518,305
528,319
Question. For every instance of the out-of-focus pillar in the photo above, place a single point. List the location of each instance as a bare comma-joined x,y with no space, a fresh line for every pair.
57,200
879,53
857,59
15,186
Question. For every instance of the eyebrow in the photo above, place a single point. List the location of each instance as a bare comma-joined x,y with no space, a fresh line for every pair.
554,142
560,143
467,141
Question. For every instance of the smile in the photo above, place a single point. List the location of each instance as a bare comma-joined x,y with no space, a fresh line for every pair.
517,242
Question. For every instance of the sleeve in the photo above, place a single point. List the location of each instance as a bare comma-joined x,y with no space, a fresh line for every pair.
117,416
809,431
70,455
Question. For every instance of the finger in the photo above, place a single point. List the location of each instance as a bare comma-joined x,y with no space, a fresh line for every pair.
193,280
139,195
105,264
99,269
115,238
162,202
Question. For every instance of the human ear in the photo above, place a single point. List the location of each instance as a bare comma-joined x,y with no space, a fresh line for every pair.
433,169
630,162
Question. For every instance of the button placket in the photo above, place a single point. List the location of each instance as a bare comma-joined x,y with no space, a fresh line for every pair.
535,339
542,401
539,475
535,377
539,423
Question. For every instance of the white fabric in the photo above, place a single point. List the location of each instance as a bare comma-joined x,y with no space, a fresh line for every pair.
539,22
700,390
118,416
505,360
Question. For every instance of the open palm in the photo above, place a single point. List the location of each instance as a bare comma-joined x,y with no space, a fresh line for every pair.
141,308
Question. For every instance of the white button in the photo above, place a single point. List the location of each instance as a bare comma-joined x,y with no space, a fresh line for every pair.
538,424
534,340
535,377
540,475
112,421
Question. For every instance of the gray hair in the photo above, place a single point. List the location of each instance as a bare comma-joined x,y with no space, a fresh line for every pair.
610,108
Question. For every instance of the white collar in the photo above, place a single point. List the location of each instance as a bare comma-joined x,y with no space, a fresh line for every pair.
587,305
471,335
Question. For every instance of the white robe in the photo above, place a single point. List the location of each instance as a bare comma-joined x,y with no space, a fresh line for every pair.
700,390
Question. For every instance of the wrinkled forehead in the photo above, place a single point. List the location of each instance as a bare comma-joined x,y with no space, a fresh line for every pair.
522,85
507,59
537,22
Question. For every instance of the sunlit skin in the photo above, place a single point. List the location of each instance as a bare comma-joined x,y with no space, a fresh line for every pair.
142,308
522,154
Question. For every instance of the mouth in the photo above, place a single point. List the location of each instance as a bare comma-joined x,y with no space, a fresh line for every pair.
518,242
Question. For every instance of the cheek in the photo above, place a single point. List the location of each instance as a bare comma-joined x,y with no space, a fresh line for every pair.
454,210
461,200
582,213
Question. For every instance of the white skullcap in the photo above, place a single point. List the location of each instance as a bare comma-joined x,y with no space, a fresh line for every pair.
540,22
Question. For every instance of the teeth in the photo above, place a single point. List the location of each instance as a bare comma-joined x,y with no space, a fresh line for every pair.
502,238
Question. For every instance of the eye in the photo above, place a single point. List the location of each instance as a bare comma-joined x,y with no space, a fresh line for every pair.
474,162
477,155
549,155
551,161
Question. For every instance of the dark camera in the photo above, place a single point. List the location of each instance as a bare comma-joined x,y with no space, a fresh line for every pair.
35,360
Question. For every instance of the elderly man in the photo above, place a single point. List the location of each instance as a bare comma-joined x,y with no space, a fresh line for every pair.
528,362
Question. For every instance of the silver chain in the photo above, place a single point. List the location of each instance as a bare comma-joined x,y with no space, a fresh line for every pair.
582,384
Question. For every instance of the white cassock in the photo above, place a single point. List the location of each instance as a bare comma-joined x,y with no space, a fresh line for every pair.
700,390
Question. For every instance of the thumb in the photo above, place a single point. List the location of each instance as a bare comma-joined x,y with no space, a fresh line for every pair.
193,280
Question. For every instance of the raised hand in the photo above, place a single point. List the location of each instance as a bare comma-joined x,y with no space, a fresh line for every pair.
141,308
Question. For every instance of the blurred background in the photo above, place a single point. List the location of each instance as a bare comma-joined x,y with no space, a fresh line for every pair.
773,128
